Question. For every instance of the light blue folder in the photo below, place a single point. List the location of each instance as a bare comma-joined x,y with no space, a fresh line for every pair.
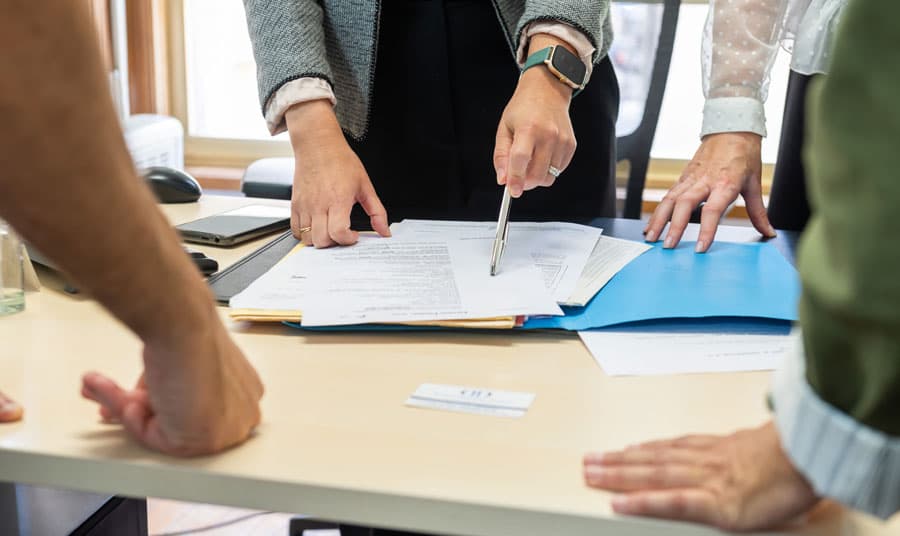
737,281
731,280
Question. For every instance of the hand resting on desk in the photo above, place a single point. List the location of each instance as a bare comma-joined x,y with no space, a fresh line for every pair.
726,165
743,481
209,404
10,410
328,180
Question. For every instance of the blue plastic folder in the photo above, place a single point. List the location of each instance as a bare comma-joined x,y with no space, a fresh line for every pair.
730,280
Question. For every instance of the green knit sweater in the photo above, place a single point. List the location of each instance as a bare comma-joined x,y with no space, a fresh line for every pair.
849,258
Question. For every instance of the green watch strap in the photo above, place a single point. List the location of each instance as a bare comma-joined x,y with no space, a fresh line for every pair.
538,58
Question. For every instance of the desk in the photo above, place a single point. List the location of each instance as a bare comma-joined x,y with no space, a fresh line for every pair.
336,440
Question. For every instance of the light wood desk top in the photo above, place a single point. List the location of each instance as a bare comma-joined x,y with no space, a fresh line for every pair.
336,440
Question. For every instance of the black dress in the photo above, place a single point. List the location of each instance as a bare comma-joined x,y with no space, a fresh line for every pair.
443,75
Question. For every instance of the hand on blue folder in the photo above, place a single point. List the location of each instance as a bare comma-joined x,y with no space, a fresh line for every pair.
733,280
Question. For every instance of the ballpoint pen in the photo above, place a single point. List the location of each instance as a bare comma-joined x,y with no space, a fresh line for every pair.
502,232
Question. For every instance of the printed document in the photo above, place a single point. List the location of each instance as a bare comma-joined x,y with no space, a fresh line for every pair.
689,347
559,250
610,255
282,288
387,280
382,280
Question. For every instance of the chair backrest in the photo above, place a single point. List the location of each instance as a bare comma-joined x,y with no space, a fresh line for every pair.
635,145
271,178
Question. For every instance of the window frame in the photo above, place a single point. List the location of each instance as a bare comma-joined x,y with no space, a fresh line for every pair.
205,151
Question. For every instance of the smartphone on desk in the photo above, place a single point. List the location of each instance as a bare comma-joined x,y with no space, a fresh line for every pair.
236,226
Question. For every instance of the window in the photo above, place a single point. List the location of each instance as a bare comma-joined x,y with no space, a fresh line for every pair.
213,85
222,99
222,114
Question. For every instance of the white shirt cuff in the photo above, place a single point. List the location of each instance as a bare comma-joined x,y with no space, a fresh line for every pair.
559,30
733,114
291,93
842,459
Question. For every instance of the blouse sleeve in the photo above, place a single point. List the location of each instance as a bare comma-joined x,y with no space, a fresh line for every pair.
740,41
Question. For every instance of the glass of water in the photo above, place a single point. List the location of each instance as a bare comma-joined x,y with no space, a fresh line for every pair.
12,271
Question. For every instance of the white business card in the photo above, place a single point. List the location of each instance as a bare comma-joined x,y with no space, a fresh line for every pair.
473,400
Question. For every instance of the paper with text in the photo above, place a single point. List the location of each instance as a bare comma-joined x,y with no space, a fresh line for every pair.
387,280
689,347
282,288
474,400
559,250
610,255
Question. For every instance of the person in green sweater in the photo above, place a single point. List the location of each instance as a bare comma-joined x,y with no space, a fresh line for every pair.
836,426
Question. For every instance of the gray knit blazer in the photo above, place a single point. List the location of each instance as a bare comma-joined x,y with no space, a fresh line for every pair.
336,40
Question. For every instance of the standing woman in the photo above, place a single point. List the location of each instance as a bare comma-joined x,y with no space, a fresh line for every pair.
740,42
418,108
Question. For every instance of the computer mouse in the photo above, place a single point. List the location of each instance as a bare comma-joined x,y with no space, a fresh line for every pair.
171,185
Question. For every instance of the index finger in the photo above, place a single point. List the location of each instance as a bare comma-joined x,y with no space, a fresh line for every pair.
711,215
681,215
502,144
664,209
104,391
339,226
519,157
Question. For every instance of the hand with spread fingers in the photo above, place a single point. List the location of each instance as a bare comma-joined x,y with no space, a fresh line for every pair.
726,165
535,140
714,480
329,180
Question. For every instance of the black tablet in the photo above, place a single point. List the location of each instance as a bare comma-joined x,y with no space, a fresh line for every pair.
236,226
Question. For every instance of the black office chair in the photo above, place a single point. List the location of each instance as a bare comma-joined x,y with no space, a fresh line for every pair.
270,178
635,146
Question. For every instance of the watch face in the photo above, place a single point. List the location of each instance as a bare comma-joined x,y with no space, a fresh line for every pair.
569,65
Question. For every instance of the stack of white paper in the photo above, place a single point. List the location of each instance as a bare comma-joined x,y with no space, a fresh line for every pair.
437,271
397,280
576,260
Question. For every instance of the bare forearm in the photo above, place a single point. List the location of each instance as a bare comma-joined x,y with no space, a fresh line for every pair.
68,184
312,122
